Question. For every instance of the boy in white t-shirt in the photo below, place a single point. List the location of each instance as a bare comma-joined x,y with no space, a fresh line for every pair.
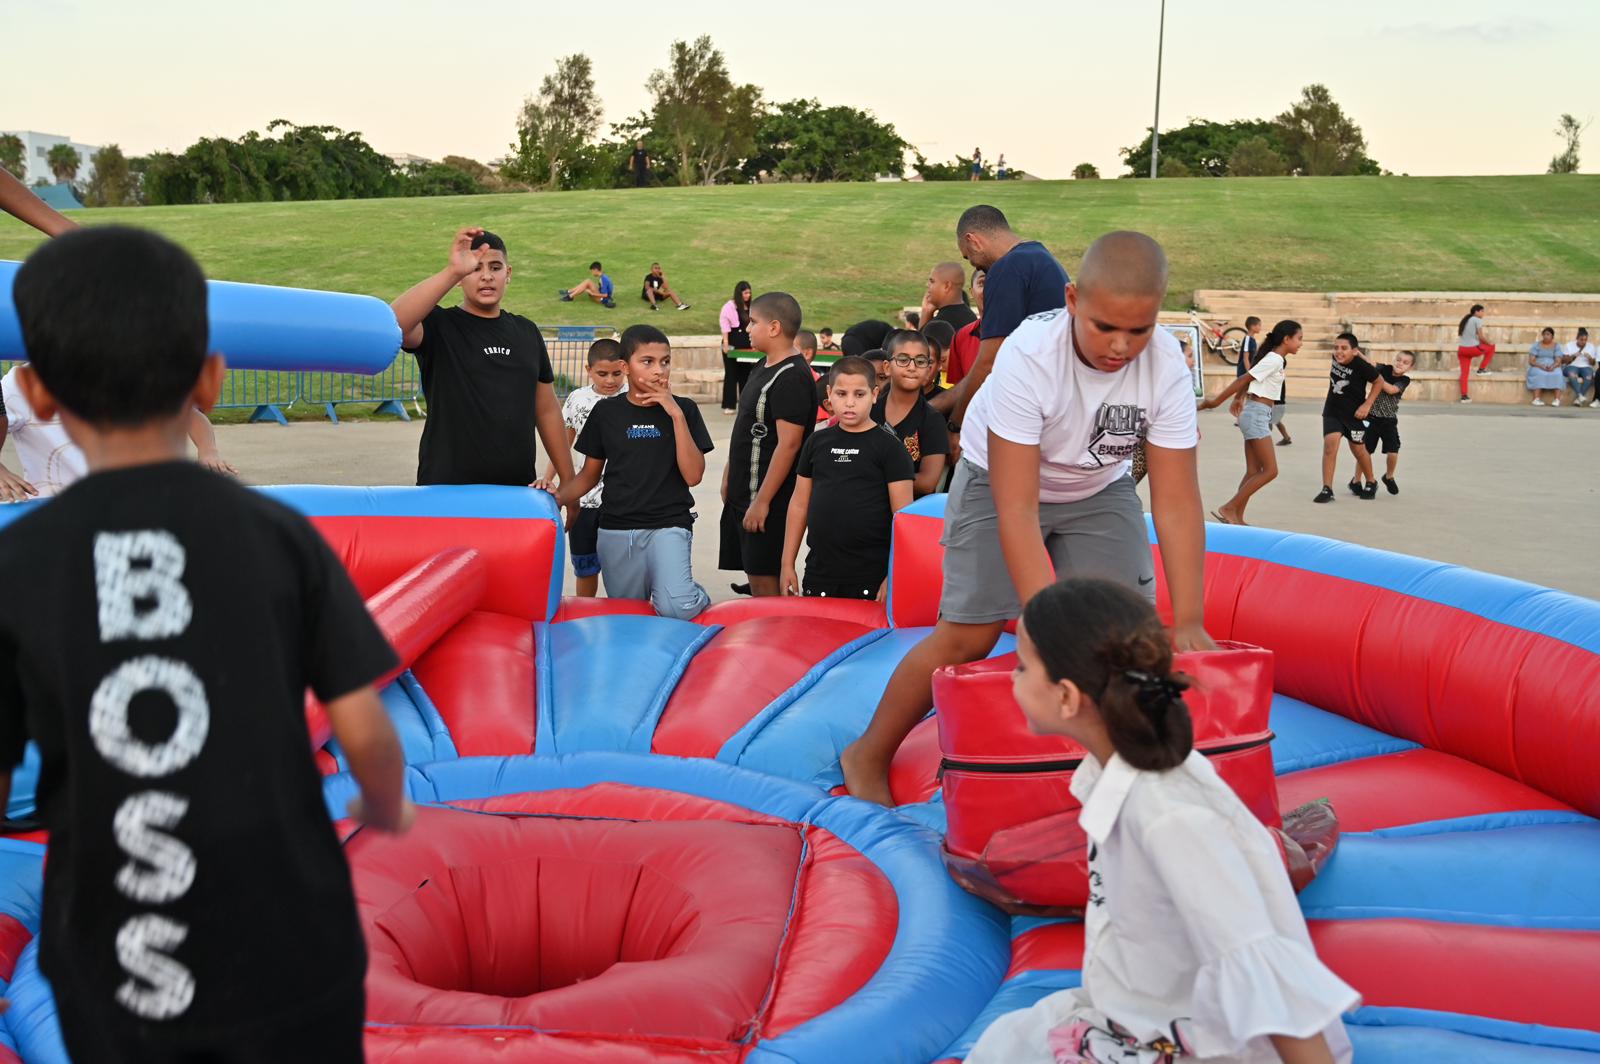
608,376
51,462
1043,485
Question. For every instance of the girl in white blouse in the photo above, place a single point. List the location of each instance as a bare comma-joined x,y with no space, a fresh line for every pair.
1195,948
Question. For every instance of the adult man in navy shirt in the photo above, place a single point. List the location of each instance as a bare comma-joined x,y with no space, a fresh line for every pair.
1023,279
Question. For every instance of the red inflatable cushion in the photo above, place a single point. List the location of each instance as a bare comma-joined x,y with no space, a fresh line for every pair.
528,921
740,610
574,608
480,675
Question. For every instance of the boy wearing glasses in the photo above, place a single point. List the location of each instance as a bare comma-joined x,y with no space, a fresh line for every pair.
904,408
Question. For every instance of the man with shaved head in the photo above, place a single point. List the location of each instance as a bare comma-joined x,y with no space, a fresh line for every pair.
1023,279
945,298
1043,489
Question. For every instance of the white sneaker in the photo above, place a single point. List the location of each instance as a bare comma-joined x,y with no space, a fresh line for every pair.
1555,402
1538,402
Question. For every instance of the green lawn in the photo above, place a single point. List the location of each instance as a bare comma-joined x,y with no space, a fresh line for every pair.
856,250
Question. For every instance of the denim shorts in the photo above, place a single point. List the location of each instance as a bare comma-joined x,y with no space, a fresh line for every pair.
1255,420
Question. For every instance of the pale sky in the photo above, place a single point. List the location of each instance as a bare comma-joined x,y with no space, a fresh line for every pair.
1438,86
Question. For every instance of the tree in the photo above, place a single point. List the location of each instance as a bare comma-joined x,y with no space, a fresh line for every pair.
555,123
1320,139
1569,129
1255,157
487,179
709,122
13,155
803,141
63,160
1172,166
960,170
1085,172
299,163
113,183
1203,146
438,179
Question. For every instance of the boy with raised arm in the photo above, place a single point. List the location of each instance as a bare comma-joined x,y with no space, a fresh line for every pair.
1043,487
485,373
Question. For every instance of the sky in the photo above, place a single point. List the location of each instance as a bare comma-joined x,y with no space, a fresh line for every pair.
1437,86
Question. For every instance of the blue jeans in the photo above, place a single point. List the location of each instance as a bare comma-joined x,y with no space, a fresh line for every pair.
1580,379
652,563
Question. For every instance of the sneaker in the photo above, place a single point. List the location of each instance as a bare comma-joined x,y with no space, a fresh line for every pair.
1355,488
609,303
654,307
1538,402
740,589
683,306
1370,491
1484,372
1389,483
566,296
1556,401
1325,495
1465,399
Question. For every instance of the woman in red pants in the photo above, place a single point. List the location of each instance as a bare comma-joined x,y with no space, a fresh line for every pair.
1470,343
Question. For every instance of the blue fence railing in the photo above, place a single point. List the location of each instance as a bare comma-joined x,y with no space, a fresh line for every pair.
269,395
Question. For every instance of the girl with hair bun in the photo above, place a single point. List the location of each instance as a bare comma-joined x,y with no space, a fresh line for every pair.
1194,944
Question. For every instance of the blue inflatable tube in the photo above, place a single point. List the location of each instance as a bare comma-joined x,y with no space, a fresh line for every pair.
257,326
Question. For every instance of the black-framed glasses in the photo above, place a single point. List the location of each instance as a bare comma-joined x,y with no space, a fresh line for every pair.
921,361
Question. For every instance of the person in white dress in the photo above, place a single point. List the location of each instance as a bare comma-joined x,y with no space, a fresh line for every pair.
1195,948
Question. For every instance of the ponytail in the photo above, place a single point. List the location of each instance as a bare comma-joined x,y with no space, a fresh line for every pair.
1467,317
1109,642
1280,332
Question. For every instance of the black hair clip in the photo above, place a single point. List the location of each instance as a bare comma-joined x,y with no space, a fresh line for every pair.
1151,691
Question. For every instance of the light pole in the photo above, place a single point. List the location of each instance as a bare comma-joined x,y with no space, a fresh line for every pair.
1155,128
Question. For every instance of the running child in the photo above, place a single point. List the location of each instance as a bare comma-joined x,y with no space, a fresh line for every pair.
1259,388
650,447
904,409
188,829
851,479
777,411
608,375
1043,488
1196,944
1349,377
598,287
1382,412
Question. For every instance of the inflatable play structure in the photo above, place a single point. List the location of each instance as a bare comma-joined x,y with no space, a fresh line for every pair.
630,850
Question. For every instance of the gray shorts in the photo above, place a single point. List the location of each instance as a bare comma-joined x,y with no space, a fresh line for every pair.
1103,535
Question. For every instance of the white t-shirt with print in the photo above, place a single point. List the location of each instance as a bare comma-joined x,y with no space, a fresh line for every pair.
1268,374
1086,423
575,413
50,460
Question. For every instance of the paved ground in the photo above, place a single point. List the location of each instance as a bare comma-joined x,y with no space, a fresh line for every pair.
1508,490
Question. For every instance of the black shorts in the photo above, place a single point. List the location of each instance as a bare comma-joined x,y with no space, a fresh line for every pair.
753,553
1350,428
583,542
841,589
1384,430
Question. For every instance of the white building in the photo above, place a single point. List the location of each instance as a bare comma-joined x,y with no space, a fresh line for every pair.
406,159
36,147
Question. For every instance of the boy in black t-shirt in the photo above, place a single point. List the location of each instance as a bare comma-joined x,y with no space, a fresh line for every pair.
853,476
1383,424
195,899
485,372
904,409
777,411
650,446
1349,374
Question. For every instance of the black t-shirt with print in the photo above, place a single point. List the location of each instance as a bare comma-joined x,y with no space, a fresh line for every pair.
644,487
1386,405
959,315
923,430
162,627
481,378
1347,387
652,281
849,522
790,395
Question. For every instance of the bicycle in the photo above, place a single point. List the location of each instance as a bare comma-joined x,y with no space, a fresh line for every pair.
1222,340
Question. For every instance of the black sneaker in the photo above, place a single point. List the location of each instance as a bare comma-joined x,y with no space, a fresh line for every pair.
654,307
683,306
1325,495
609,303
1355,488
1370,491
740,589
566,296
1393,488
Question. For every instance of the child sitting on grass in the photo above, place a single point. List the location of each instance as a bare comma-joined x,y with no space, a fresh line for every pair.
852,477
608,375
598,287
1196,945
650,446
162,627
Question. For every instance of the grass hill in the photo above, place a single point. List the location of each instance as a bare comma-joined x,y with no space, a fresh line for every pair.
850,251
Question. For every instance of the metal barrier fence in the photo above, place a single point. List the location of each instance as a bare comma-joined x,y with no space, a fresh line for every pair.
267,394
